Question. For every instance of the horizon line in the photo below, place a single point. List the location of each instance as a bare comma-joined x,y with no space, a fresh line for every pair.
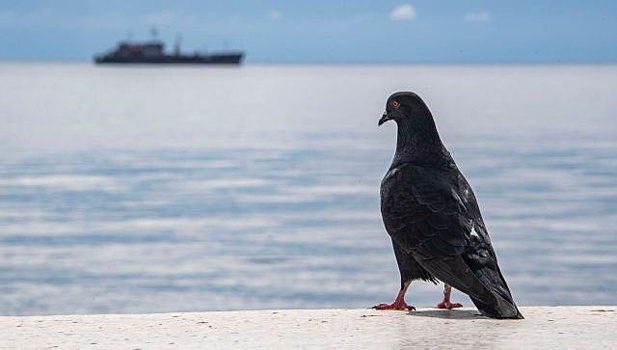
342,62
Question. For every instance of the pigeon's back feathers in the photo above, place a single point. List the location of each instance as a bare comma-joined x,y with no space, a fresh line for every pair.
432,215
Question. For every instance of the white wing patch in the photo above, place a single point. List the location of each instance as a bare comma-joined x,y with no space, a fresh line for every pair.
474,232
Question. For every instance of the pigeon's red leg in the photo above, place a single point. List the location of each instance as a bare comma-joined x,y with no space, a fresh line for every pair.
399,303
446,303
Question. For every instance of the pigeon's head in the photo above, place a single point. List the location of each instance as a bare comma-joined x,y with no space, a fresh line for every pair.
406,106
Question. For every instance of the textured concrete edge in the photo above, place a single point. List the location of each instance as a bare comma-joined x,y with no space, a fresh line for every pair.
469,311
543,327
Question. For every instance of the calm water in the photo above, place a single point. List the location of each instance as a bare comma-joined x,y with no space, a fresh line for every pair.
136,189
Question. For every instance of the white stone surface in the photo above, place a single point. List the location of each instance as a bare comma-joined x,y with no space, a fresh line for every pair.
591,327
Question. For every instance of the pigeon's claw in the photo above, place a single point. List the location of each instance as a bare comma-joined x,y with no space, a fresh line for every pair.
448,305
396,305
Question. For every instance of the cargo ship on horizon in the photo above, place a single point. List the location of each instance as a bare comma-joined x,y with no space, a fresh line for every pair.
153,52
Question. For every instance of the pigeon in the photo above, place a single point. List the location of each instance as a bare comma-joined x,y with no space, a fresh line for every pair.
433,218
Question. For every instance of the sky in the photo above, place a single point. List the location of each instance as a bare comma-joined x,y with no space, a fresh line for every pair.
320,31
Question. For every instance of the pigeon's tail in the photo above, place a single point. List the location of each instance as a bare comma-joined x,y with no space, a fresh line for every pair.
486,287
502,304
503,309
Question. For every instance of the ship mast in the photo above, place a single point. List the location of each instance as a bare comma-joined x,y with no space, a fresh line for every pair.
177,45
154,33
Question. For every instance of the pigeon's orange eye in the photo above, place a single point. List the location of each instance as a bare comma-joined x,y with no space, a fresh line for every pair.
395,104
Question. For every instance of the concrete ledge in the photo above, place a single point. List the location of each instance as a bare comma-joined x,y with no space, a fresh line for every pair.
544,327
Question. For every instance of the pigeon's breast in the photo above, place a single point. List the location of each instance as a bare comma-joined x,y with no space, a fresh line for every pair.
399,209
390,184
388,178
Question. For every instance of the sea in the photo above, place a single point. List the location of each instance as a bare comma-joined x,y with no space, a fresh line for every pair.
139,189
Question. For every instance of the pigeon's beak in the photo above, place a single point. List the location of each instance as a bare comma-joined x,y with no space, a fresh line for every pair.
384,118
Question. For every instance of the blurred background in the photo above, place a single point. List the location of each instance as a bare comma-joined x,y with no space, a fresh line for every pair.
152,188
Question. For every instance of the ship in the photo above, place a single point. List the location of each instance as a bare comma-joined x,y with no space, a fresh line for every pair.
153,52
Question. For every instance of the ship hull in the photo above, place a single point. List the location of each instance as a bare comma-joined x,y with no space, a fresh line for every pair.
223,59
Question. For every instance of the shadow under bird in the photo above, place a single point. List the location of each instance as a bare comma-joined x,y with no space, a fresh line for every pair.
433,218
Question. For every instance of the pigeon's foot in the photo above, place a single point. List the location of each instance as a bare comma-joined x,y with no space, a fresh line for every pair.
399,302
396,305
448,305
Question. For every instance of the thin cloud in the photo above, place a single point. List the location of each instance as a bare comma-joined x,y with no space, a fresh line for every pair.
274,15
478,17
404,12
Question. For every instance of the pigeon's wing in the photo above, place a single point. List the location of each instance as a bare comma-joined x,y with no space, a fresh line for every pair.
421,208
433,214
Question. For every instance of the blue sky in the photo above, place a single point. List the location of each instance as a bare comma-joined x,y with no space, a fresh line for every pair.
321,31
